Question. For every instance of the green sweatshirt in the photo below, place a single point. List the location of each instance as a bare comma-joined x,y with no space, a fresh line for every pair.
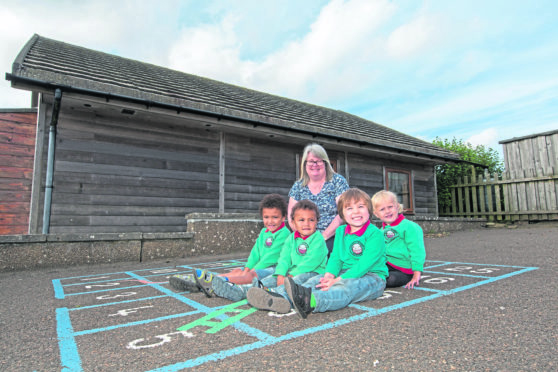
267,248
405,244
302,256
359,253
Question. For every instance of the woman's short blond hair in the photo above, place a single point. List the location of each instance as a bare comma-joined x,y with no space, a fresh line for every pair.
384,195
319,152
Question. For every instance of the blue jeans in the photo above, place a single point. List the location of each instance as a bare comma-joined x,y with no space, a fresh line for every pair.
271,282
264,273
346,291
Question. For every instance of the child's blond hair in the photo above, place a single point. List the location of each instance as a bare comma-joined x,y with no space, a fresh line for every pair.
353,195
386,195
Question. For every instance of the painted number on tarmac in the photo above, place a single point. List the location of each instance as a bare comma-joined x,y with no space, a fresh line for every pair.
440,280
124,294
482,270
125,312
164,338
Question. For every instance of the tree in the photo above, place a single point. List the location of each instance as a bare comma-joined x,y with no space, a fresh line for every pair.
450,174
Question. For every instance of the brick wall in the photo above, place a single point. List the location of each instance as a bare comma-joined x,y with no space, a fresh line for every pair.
17,148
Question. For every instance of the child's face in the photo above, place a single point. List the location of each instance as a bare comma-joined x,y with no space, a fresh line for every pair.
272,218
386,210
305,222
356,214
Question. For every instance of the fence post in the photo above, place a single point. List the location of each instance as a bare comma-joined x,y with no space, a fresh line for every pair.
482,206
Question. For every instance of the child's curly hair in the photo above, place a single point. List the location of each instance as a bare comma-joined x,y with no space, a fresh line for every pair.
307,205
274,201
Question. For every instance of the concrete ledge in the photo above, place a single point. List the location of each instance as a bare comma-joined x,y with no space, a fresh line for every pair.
21,252
207,234
221,233
447,224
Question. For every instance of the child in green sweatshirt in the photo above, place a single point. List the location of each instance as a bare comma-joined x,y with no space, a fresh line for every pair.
404,241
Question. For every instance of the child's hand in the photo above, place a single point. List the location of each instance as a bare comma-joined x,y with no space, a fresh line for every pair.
280,280
414,281
326,283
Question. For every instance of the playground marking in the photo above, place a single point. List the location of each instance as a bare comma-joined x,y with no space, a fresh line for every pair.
441,278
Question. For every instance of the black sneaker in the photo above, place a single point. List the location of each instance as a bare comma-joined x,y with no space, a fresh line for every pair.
266,300
300,297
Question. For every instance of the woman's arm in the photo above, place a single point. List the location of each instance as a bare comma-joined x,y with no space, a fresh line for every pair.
337,221
292,202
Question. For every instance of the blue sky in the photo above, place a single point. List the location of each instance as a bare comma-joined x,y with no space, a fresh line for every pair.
481,71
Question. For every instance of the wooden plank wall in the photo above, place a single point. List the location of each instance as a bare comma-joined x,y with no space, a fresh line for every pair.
118,173
17,144
537,152
131,175
254,168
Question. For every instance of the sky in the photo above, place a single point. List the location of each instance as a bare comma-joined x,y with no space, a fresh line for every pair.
478,71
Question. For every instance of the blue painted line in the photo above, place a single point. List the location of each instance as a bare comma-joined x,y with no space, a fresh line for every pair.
451,273
106,290
238,325
432,266
274,340
478,264
420,288
119,302
58,289
69,356
139,322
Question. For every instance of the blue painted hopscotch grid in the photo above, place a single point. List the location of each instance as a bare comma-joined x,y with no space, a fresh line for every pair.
440,278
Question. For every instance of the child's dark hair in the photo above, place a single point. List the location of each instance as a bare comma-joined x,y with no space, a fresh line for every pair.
307,205
353,195
274,201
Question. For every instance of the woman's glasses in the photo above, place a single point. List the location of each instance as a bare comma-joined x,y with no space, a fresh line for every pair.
313,163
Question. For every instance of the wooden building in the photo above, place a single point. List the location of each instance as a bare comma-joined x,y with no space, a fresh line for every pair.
126,146
17,148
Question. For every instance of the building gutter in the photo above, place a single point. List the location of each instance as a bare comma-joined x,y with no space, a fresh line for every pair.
50,159
148,104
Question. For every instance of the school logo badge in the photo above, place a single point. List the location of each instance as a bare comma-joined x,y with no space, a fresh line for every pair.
389,235
269,241
357,248
302,249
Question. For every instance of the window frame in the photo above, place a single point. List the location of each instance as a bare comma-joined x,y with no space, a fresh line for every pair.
387,171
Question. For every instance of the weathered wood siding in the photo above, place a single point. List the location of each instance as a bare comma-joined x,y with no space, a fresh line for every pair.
145,172
532,152
17,145
254,168
130,175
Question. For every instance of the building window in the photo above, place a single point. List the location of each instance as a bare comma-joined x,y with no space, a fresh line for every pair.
399,182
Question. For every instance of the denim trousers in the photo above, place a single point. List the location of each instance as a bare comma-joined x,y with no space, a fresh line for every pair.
264,273
346,291
271,282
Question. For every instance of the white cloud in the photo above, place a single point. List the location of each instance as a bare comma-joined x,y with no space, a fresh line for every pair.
487,137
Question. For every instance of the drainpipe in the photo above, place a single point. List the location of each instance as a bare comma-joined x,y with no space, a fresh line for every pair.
50,160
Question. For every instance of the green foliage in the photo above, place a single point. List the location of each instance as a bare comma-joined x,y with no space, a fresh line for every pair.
450,174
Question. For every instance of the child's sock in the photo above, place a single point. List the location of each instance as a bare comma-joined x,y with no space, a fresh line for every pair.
313,301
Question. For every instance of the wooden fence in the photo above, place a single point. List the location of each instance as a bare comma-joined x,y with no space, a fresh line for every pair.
527,195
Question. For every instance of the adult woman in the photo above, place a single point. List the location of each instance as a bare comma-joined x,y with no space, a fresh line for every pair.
319,183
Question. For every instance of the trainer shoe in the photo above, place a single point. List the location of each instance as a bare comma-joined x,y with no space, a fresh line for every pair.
267,300
300,297
204,280
184,282
228,290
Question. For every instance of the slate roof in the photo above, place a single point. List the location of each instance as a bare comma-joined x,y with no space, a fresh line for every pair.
65,65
